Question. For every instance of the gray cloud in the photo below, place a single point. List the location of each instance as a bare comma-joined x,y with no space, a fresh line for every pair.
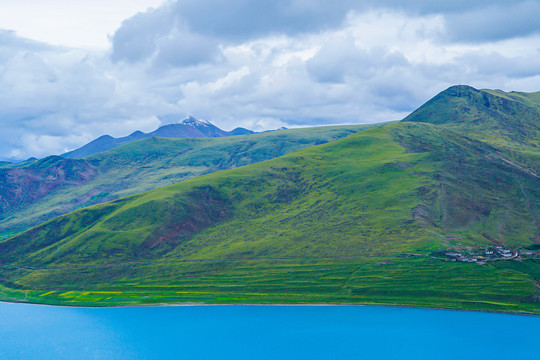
194,28
341,58
138,37
183,48
495,64
9,42
245,19
493,22
197,26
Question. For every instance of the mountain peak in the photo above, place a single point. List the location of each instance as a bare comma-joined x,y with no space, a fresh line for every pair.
492,116
191,121
194,128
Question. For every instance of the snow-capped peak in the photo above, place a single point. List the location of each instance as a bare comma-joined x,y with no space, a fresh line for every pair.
190,120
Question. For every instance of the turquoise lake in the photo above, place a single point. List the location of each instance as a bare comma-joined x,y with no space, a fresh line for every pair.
263,332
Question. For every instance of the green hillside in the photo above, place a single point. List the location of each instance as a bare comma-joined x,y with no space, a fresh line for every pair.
510,120
366,219
36,191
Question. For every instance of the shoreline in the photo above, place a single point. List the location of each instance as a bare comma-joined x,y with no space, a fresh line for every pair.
158,305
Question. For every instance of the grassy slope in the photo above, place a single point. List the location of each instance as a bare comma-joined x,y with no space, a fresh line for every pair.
331,223
5,164
509,121
503,119
154,162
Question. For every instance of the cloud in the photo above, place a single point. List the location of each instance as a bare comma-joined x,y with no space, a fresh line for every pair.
198,26
341,58
244,19
495,64
138,37
183,48
57,98
193,29
493,23
10,42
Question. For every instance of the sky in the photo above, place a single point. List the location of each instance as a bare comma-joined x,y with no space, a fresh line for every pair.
71,71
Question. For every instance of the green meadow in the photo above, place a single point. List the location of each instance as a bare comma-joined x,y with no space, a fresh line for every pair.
394,280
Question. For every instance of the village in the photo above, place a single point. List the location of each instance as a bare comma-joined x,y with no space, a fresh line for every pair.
481,256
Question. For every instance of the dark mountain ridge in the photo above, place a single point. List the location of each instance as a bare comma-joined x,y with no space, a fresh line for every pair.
20,185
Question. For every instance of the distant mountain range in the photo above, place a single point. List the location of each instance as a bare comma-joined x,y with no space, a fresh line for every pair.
187,128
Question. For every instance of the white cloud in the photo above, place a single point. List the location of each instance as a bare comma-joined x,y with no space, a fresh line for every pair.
83,24
57,98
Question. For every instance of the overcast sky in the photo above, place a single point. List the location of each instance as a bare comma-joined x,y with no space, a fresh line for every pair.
71,71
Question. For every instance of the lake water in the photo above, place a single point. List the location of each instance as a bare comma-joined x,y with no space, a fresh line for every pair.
263,332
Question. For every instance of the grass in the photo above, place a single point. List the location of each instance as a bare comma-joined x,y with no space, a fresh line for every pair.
506,120
393,280
5,235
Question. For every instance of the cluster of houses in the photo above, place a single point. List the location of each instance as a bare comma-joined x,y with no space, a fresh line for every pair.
490,254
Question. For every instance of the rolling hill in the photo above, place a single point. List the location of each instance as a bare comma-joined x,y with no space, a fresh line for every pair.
372,218
38,190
